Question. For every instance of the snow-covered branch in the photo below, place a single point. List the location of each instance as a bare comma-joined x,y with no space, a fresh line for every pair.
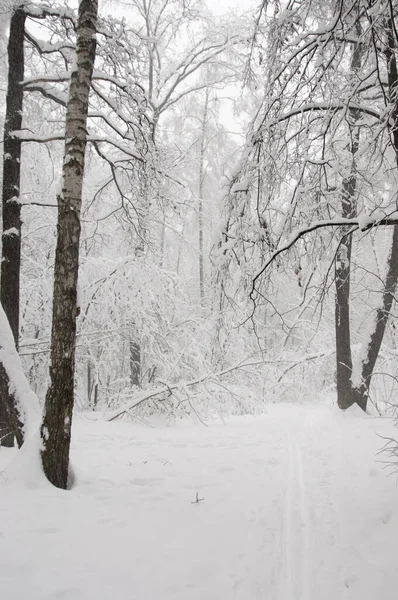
363,223
168,389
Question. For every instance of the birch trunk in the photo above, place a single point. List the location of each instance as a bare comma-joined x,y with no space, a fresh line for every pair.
57,422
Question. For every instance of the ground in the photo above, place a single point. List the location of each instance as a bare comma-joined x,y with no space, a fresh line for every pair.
297,505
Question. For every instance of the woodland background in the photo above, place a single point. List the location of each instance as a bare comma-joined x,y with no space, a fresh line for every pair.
239,191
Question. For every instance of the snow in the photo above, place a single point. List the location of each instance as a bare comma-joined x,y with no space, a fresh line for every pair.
364,221
13,231
241,186
27,401
296,505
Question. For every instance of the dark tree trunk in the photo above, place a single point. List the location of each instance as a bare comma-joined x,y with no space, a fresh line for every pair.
57,422
135,363
345,397
134,355
342,324
360,393
10,425
343,261
92,387
376,338
11,215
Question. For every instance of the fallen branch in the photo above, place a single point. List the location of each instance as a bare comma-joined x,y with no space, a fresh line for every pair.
168,388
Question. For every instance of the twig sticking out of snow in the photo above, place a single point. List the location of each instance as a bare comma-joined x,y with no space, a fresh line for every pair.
197,499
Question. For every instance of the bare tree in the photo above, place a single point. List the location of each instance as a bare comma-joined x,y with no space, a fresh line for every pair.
305,138
57,422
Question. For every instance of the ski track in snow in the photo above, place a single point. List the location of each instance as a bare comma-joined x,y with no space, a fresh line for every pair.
294,579
296,507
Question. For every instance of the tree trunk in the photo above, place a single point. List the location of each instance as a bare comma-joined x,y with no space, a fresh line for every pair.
201,189
349,392
57,422
342,282
135,363
11,215
360,391
10,425
345,391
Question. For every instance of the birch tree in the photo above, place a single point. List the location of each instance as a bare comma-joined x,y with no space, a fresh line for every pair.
11,188
57,421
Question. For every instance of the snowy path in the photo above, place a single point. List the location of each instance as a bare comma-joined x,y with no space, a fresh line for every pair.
295,579
296,507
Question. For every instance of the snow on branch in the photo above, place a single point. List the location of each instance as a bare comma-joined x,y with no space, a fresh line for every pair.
168,389
325,106
48,48
25,136
41,11
363,223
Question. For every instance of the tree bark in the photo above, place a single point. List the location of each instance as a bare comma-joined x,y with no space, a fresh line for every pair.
343,259
135,363
57,422
10,424
11,215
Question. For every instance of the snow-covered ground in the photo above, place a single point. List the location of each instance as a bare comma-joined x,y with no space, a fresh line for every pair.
296,505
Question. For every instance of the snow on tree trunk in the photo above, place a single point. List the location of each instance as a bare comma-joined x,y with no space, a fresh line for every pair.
11,215
56,427
26,405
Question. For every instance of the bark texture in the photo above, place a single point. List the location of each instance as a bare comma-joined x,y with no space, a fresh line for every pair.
343,259
11,216
135,363
57,422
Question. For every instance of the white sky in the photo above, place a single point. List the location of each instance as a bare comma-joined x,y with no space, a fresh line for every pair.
223,5
220,6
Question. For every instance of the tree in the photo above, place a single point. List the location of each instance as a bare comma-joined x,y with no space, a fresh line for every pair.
305,157
11,214
11,195
57,422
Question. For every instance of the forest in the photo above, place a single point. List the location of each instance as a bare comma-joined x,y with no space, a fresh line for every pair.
239,176
199,223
